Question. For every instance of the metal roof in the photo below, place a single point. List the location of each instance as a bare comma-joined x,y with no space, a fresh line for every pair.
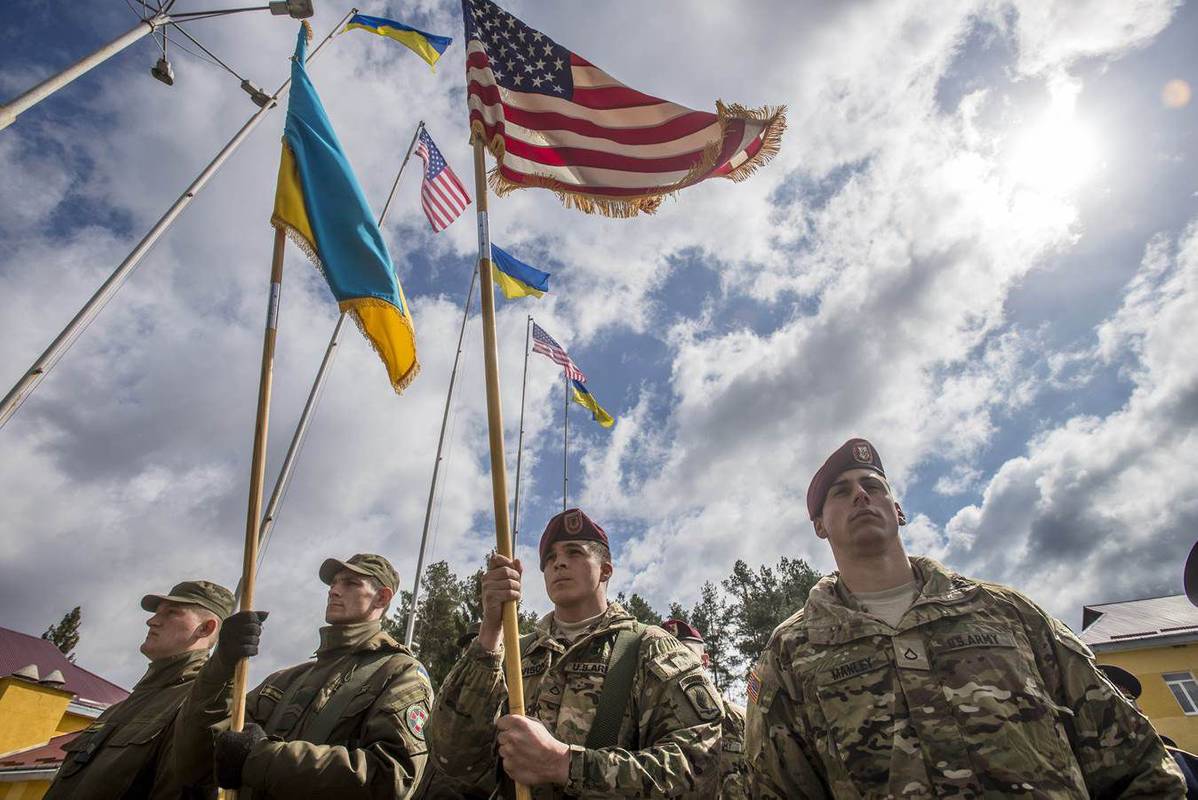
20,649
1139,623
48,755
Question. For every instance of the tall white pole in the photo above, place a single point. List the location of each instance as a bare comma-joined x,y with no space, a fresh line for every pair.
47,360
15,107
565,439
520,441
301,428
432,489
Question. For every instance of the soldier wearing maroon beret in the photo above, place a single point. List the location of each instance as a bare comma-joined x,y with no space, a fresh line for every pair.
588,660
902,678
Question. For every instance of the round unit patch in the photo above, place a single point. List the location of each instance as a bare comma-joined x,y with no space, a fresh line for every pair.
417,717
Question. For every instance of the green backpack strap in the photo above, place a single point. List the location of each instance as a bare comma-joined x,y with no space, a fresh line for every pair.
617,688
326,718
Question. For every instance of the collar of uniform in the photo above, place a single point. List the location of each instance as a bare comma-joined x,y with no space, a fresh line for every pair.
339,639
614,618
172,669
833,616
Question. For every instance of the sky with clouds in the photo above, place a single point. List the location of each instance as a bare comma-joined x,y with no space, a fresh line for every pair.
978,248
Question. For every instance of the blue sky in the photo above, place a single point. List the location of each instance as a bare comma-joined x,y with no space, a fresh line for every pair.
977,248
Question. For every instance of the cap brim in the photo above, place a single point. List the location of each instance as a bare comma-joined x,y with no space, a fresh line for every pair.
1123,679
1191,575
150,602
331,566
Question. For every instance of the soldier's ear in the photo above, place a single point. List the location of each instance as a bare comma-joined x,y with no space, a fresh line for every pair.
820,530
383,597
207,628
605,571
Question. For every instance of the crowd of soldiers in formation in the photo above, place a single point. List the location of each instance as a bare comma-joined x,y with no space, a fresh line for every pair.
897,679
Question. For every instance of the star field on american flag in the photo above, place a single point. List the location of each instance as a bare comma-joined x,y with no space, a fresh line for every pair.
522,58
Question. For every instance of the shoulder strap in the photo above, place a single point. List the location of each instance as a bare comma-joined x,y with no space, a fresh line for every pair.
327,717
617,688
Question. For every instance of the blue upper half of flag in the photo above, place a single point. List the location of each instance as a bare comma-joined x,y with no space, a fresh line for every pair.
517,269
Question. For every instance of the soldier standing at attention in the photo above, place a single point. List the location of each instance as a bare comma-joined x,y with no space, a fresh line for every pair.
349,724
733,780
126,752
615,708
901,678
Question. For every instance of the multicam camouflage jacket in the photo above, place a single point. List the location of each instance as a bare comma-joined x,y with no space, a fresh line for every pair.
976,693
669,738
734,782
126,752
375,746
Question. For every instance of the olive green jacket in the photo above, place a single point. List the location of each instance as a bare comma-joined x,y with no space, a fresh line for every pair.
669,737
976,693
127,751
376,748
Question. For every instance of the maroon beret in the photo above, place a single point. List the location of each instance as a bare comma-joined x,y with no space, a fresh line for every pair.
853,454
569,526
682,631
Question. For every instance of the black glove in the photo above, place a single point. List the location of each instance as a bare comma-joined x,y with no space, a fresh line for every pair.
232,748
239,635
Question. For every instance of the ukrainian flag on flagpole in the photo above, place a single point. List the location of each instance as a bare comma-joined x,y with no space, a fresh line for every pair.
587,400
516,278
320,205
428,46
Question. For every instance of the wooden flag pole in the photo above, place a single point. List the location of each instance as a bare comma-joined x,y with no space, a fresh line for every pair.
258,470
503,536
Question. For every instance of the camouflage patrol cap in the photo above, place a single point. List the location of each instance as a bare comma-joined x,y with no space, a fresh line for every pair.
682,631
570,525
368,564
205,594
853,454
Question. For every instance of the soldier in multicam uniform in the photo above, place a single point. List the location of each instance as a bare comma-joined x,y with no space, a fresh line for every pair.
126,752
615,708
733,777
902,679
349,724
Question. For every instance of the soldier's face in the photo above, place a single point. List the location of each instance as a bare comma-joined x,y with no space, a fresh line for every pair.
354,598
176,628
573,573
860,514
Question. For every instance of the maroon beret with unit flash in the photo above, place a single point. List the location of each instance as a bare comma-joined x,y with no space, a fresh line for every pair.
570,525
853,454
682,631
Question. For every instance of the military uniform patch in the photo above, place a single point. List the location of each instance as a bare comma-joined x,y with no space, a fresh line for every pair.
416,717
701,698
861,453
573,522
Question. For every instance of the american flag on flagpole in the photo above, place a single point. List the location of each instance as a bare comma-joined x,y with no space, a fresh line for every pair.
442,195
553,119
544,344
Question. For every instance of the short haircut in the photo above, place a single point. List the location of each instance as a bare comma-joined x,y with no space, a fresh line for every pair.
597,549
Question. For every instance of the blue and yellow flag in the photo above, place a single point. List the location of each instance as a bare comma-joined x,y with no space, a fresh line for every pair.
428,46
588,401
320,205
516,278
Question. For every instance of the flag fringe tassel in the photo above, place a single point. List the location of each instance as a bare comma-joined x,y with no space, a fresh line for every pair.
310,253
774,118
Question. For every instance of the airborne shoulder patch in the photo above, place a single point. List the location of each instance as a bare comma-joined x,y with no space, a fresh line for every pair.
701,697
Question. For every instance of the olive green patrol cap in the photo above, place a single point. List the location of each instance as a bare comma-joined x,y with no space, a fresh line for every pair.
205,594
368,564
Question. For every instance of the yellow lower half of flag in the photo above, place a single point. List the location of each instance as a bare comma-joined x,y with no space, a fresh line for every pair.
513,288
598,413
391,334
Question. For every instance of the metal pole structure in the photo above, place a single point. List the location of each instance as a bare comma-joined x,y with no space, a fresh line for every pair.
520,441
258,468
18,105
410,632
503,537
47,360
565,439
301,428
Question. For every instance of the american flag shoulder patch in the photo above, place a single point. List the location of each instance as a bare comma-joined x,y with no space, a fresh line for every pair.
753,687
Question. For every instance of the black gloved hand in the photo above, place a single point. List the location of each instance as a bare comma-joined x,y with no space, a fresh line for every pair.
232,748
239,635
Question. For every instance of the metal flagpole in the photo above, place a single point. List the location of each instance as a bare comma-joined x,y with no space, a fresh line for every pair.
301,428
503,537
565,439
520,441
18,105
432,489
47,360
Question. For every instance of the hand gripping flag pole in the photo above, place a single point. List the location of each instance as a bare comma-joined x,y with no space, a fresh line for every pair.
503,537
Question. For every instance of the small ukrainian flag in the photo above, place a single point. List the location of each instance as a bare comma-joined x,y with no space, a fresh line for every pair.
428,46
516,278
587,400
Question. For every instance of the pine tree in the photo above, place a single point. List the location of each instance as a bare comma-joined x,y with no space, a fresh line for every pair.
65,635
639,607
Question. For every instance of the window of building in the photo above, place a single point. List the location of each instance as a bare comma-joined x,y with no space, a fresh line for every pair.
1185,689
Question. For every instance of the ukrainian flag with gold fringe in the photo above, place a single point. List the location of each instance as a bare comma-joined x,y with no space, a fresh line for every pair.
320,205
428,46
